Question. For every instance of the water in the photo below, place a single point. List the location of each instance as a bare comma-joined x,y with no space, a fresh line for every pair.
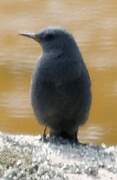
94,24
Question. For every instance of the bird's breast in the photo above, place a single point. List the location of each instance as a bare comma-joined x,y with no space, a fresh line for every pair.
57,69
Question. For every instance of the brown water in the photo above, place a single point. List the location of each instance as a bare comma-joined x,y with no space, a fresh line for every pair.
94,25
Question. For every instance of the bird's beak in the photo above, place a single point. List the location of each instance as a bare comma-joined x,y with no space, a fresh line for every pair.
29,35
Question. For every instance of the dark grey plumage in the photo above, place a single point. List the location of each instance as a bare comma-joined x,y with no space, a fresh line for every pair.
61,95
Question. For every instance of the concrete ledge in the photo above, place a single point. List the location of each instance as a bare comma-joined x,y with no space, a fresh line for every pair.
30,158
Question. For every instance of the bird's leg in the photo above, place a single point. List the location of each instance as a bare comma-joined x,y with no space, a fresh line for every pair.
44,133
75,137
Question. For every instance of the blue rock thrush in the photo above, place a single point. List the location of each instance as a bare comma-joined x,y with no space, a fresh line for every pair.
61,87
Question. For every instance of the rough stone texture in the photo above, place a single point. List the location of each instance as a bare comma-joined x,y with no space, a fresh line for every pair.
32,158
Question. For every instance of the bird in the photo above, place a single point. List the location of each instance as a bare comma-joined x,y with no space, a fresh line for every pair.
61,86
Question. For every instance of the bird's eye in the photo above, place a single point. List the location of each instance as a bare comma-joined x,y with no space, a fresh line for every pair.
49,37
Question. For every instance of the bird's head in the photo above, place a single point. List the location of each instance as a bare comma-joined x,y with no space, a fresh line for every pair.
53,38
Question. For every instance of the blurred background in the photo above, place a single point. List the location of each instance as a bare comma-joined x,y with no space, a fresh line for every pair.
94,25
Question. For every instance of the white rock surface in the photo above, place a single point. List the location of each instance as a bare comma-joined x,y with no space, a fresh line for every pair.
31,158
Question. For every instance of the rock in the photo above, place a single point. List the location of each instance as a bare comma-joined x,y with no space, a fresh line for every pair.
30,158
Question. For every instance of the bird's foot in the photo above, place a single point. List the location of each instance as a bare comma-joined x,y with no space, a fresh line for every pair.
64,137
